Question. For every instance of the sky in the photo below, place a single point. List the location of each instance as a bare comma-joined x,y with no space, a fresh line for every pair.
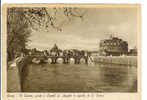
97,24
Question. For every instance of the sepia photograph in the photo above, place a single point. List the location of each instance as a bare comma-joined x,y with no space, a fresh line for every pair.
72,48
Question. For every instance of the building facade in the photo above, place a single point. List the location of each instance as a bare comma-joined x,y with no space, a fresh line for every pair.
133,52
55,51
113,47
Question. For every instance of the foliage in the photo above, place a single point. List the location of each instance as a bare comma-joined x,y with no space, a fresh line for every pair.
17,31
21,21
48,18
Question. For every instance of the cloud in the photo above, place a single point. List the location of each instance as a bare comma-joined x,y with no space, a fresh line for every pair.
98,24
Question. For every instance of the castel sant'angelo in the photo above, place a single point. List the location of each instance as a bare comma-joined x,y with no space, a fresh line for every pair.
113,46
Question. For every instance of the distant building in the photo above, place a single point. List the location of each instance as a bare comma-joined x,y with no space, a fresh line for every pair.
113,47
94,53
55,51
36,52
133,52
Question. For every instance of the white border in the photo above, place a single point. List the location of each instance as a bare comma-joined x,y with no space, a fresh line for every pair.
70,1
144,26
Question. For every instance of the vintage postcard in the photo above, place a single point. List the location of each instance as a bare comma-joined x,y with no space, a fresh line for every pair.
71,51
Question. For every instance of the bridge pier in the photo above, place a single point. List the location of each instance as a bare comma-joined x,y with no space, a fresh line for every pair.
86,60
77,60
54,60
66,60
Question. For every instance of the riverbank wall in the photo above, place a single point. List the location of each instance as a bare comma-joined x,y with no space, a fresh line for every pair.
16,75
118,60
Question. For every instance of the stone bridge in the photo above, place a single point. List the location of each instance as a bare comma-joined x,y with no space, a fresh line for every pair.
64,59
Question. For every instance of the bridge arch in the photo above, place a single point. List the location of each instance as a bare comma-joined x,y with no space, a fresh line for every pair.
83,60
60,60
72,60
49,60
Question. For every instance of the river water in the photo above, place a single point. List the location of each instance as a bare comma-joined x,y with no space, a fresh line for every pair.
80,78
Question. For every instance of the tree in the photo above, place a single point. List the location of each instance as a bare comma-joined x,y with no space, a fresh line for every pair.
21,21
17,32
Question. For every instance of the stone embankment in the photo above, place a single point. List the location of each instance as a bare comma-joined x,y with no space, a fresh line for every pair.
119,60
16,72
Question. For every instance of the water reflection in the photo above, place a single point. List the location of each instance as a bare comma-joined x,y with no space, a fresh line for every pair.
80,78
